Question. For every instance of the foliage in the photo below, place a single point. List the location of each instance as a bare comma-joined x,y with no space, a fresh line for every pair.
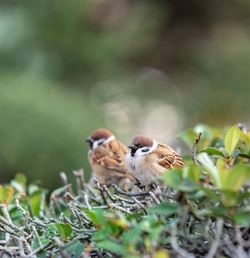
200,210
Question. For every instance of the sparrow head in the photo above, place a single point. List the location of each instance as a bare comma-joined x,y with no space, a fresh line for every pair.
141,145
98,137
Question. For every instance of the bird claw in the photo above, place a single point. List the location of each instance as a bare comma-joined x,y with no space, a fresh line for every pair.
139,185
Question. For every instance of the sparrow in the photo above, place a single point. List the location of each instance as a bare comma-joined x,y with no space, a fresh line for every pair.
106,157
148,159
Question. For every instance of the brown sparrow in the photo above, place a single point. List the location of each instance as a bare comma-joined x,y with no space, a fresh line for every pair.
147,159
106,157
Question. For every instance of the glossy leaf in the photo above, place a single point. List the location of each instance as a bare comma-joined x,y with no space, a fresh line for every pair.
166,209
6,194
231,139
213,151
35,201
243,155
113,247
75,250
192,173
187,186
223,172
162,253
239,175
19,183
206,161
21,179
96,216
242,218
245,137
64,230
172,177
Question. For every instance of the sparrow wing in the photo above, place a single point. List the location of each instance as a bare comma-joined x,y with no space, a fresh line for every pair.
111,156
168,158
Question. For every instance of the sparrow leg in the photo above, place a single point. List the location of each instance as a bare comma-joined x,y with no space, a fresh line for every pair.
139,184
152,187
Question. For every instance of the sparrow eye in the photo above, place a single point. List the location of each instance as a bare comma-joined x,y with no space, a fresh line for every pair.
100,141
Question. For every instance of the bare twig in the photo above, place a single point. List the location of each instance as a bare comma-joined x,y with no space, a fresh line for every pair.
118,190
101,190
197,140
216,243
79,174
64,178
174,243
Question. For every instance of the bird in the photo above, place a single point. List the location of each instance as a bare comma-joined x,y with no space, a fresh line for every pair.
148,159
106,157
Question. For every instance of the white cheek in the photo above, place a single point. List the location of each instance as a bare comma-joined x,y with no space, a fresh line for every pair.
95,145
139,153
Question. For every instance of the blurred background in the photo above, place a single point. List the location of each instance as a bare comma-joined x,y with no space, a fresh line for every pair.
154,67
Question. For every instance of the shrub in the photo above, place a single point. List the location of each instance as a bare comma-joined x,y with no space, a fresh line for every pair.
203,210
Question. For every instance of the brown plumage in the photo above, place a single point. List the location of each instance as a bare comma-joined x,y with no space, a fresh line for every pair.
148,158
168,158
142,140
106,157
101,133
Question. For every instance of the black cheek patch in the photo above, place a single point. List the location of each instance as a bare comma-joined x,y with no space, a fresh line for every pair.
133,151
90,145
145,150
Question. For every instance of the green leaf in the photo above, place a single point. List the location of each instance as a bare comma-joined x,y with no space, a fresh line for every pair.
219,211
6,194
96,215
243,196
192,173
242,218
50,232
132,236
112,247
35,201
223,172
187,186
21,179
75,249
64,230
245,137
244,155
19,183
231,139
172,177
35,242
206,161
102,234
213,151
239,175
167,209
162,253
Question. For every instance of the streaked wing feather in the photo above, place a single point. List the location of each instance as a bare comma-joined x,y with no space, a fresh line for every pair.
169,158
112,156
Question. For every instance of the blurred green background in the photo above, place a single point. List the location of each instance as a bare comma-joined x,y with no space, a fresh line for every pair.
154,67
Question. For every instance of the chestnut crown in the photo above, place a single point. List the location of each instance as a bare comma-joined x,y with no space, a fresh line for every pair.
142,141
100,133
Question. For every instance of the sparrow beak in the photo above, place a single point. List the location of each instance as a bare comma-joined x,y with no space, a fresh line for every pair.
133,149
90,142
